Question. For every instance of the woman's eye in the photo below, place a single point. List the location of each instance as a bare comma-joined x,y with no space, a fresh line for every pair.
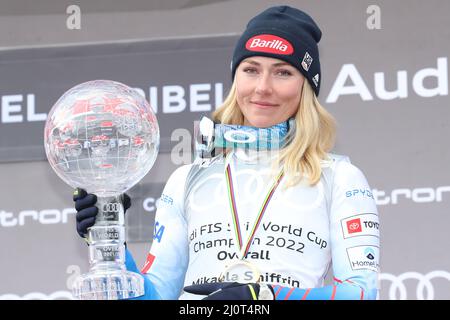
250,70
284,73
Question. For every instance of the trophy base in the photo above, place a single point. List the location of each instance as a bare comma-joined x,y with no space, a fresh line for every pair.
108,285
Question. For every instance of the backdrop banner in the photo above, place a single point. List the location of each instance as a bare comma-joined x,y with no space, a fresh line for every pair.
387,88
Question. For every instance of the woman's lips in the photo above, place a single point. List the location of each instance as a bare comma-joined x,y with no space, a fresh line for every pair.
263,104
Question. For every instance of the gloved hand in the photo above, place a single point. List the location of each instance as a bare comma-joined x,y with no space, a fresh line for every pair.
232,291
87,211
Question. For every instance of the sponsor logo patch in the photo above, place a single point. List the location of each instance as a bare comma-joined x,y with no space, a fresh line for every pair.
365,224
307,61
364,257
270,44
359,192
315,79
354,225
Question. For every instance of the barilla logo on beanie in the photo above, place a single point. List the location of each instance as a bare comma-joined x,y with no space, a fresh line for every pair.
270,44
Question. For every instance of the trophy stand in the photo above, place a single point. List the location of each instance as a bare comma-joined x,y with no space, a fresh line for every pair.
108,278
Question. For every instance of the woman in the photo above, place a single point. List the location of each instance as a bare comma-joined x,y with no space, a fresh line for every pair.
267,223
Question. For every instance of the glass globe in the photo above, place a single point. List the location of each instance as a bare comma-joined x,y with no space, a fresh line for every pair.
103,136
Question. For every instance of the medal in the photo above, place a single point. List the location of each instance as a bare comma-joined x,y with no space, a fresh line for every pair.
242,270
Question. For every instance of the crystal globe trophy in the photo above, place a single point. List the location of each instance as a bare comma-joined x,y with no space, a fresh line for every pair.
103,136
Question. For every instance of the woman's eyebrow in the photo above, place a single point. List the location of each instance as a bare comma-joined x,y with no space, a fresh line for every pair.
278,64
252,62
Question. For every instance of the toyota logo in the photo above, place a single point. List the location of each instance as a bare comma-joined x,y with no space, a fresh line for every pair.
354,226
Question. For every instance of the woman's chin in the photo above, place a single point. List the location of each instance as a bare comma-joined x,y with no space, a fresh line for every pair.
260,122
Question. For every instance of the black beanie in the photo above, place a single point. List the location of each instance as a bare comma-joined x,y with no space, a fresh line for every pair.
284,33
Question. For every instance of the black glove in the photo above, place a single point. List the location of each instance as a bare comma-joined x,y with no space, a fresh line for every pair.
87,211
232,291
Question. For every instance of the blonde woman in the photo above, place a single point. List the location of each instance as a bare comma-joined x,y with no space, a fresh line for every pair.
265,219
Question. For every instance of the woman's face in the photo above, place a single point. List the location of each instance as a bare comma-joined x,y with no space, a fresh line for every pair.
268,90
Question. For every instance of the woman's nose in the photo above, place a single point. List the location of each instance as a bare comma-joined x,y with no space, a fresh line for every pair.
264,85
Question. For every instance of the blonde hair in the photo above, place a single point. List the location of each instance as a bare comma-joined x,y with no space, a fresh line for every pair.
306,147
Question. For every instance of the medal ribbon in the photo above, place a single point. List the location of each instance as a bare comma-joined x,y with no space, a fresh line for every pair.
232,199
